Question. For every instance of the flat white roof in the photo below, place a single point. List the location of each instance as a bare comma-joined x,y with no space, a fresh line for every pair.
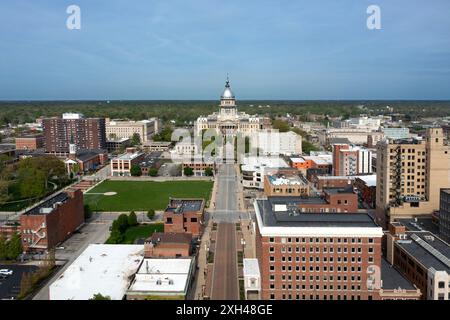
128,156
163,276
101,268
251,268
298,160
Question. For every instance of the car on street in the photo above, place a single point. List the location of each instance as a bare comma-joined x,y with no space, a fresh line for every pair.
6,272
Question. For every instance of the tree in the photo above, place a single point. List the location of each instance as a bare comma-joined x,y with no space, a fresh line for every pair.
3,247
31,182
132,219
209,172
14,247
135,170
135,139
4,191
153,172
122,222
281,125
150,214
99,296
188,171
87,212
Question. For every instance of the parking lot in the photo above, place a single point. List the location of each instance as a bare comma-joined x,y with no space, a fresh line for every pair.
10,286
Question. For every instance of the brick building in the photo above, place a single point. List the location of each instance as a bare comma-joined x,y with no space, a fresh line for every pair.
316,256
30,142
168,245
52,221
121,165
85,133
288,183
422,257
184,216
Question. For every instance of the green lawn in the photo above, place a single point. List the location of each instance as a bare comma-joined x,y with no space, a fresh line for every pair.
142,231
144,195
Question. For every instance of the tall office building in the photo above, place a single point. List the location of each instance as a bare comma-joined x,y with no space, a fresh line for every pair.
86,133
410,174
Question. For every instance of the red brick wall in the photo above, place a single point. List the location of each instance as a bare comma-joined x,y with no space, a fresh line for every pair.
296,283
60,223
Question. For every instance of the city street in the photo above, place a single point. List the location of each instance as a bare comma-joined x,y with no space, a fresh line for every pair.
225,261
96,231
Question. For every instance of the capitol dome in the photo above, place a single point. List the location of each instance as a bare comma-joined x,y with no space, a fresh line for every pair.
227,93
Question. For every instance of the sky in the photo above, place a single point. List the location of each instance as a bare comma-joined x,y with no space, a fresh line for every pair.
183,49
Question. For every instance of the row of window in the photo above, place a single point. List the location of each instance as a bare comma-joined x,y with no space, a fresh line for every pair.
317,259
330,249
319,240
311,278
285,268
318,297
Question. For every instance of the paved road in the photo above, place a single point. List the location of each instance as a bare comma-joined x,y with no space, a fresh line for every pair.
97,231
226,203
225,285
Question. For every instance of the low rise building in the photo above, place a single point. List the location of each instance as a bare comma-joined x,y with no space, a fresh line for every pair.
113,145
30,142
162,279
255,168
184,216
286,184
272,143
252,279
104,269
422,257
366,186
164,245
155,146
395,286
52,221
121,165
118,129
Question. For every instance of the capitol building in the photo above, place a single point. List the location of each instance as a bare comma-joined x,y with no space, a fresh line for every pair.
228,121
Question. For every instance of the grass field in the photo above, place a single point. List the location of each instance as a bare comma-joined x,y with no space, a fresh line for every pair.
144,195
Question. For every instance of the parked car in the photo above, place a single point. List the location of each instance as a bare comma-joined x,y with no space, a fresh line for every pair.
6,272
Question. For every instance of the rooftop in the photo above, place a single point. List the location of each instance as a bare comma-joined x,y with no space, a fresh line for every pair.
251,268
129,156
162,276
48,205
184,205
283,212
392,278
428,249
101,268
281,179
170,237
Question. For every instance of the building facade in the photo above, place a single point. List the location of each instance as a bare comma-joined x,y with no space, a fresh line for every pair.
350,160
444,215
30,142
318,256
120,129
52,221
410,174
121,165
184,216
228,121
86,133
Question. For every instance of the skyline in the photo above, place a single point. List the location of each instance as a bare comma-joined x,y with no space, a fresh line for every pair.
183,51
